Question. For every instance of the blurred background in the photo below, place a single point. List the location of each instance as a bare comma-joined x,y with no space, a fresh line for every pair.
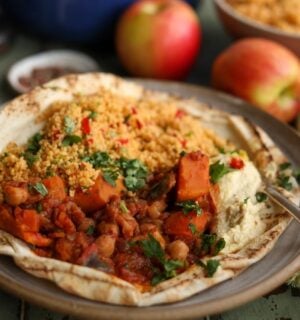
31,26
160,39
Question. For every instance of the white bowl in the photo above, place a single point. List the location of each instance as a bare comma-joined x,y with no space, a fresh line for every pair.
69,59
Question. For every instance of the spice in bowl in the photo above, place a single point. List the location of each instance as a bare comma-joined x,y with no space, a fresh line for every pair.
38,76
281,14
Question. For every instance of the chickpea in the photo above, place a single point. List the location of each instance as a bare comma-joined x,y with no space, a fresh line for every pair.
15,195
147,228
156,208
106,245
108,228
178,250
85,224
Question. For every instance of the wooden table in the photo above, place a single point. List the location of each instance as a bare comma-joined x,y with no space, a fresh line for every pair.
282,304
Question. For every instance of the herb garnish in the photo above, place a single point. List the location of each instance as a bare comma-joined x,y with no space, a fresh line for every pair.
111,176
99,160
189,206
33,147
212,245
261,196
30,158
123,207
193,228
210,267
297,176
34,143
153,250
219,246
71,139
93,115
284,166
90,230
134,172
217,170
40,188
69,125
284,182
39,207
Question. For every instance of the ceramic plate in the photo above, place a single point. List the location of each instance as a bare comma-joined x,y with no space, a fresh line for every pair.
256,281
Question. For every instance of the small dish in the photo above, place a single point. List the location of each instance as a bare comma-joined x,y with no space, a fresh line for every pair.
43,67
240,26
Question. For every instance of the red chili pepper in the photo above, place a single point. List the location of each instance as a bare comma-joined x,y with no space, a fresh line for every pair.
56,134
180,113
183,143
85,125
133,110
139,124
89,141
123,141
236,163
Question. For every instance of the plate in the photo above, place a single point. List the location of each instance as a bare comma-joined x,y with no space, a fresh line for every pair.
259,279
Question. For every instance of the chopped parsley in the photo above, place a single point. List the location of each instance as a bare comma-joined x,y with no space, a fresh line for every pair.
217,170
297,176
99,160
284,166
153,250
90,230
220,245
40,188
189,206
261,196
210,267
193,228
39,207
111,176
123,207
211,244
246,200
284,182
134,172
182,153
71,139
33,147
69,125
30,158
208,240
93,115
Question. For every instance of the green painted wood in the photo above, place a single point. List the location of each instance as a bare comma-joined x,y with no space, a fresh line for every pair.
281,306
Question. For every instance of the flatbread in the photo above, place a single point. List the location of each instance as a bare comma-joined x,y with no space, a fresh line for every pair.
20,120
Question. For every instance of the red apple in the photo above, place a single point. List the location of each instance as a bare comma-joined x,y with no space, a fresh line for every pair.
262,72
158,38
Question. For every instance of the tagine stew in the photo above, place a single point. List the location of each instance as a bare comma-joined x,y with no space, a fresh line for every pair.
140,226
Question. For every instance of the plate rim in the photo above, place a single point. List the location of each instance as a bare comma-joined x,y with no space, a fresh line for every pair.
187,312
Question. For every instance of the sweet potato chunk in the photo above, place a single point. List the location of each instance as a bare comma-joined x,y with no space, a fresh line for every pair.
98,195
56,188
24,224
181,225
193,176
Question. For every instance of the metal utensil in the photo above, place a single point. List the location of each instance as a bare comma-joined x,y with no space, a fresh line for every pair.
284,202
